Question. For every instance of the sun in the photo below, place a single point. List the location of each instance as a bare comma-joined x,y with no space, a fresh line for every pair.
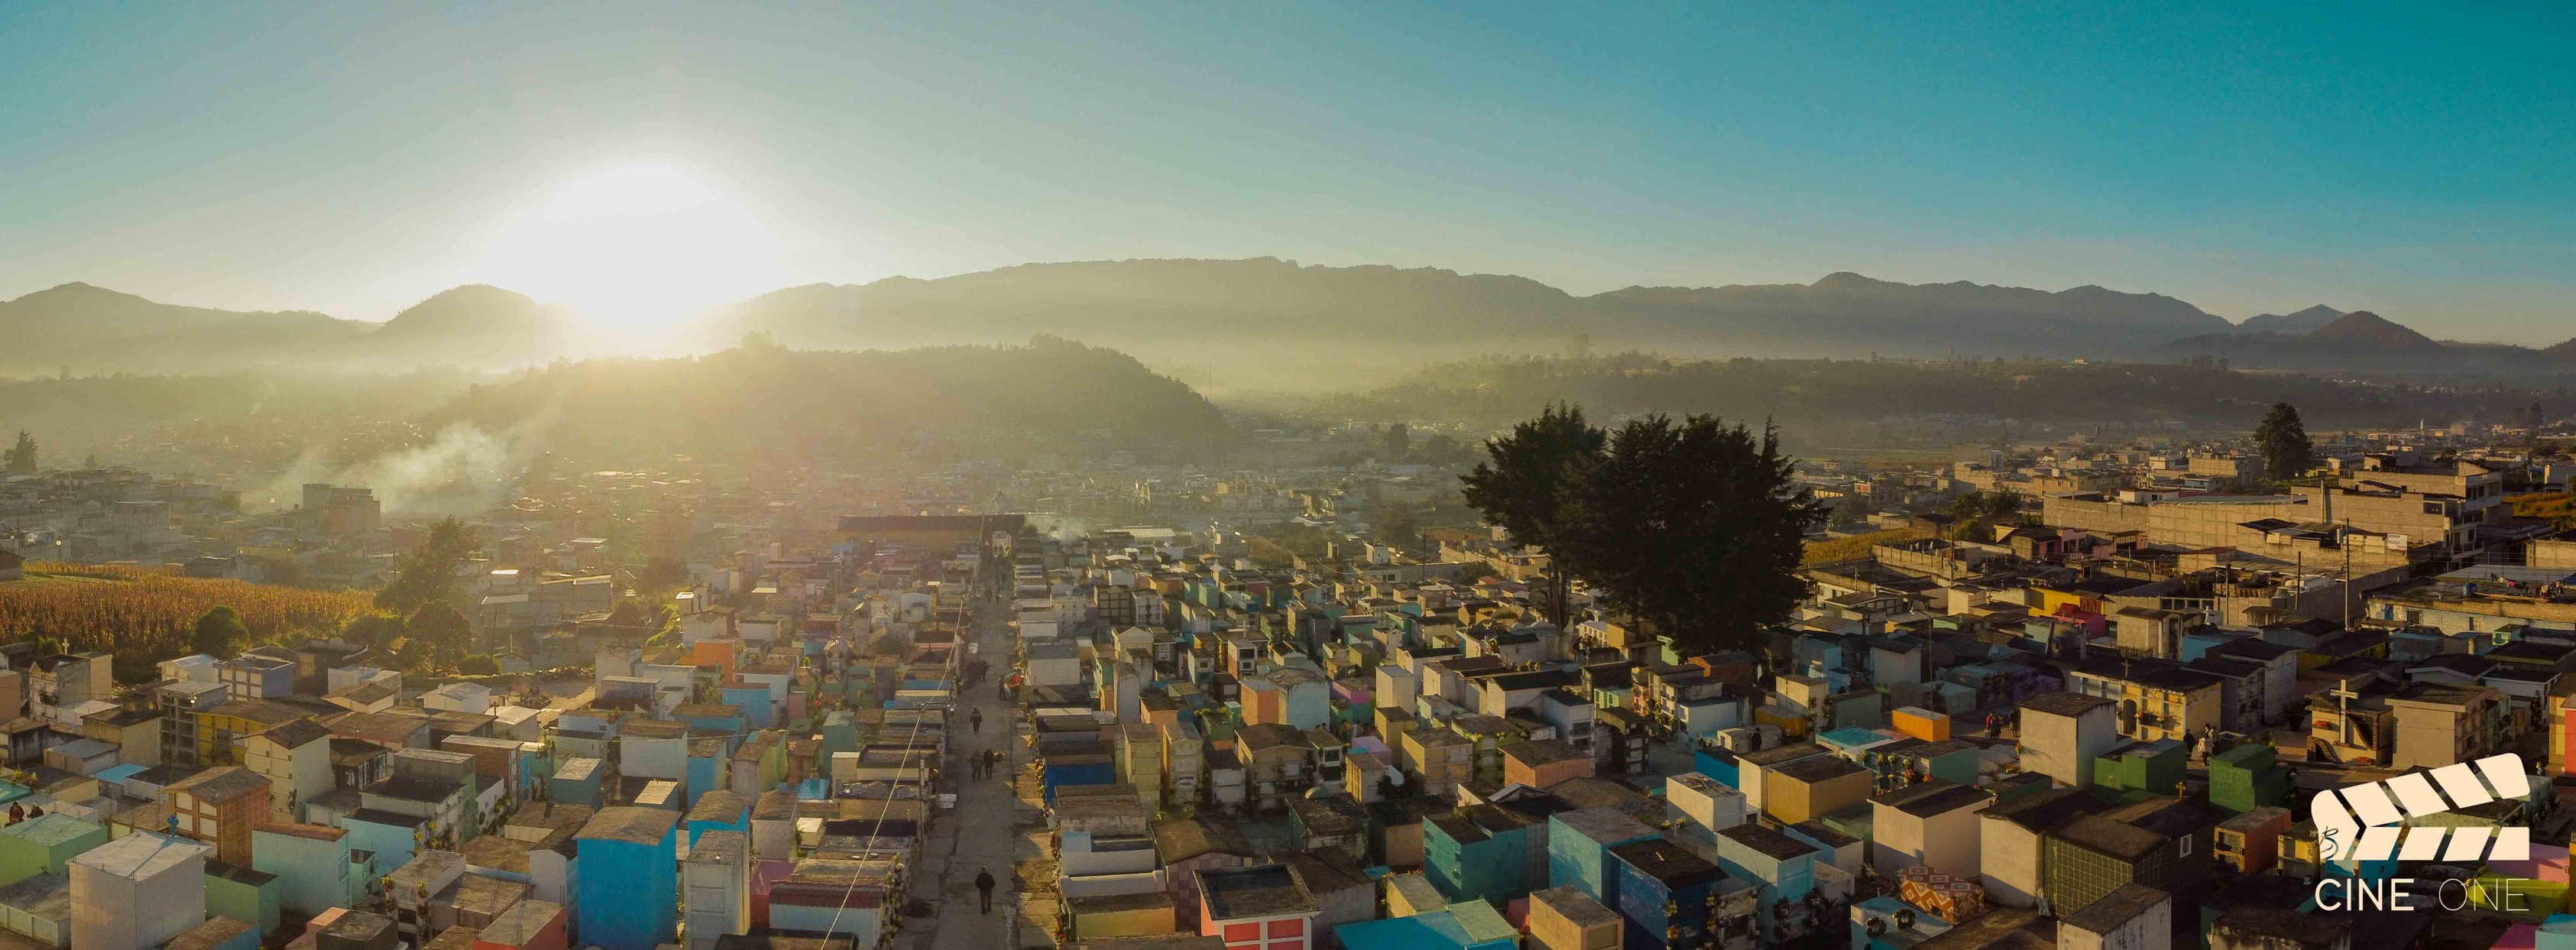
636,249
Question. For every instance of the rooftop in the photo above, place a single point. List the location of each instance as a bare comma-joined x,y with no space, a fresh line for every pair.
1766,842
1667,862
1575,906
1938,796
2104,836
645,826
2063,703
2270,924
141,855
2123,904
1265,890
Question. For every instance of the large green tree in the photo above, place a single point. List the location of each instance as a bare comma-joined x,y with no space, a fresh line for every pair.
1694,527
441,632
22,456
220,633
432,572
1525,481
2287,453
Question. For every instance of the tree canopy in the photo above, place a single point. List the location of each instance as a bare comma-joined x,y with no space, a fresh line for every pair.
431,572
1693,526
1526,479
2287,453
220,633
438,635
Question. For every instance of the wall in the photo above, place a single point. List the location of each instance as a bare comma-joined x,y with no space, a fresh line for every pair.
2008,858
2151,929
2064,747
628,893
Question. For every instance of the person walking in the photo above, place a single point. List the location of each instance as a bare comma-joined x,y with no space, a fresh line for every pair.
984,886
977,718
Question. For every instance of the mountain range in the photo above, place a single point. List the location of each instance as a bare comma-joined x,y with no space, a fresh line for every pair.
1300,326
79,327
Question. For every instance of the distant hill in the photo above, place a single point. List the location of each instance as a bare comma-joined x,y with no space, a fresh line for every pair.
87,329
1262,323
1150,305
466,324
1226,301
2362,340
2303,321
766,399
1845,314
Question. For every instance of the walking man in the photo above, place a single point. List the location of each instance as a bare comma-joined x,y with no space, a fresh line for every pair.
977,717
984,886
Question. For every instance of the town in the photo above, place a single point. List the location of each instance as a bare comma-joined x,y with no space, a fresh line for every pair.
2164,690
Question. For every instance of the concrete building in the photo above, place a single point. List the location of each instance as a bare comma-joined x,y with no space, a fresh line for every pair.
1932,823
296,760
220,806
717,887
313,865
2444,725
2131,917
629,883
2154,699
2010,842
1256,908
1562,918
137,892
2062,733
1814,788
2280,928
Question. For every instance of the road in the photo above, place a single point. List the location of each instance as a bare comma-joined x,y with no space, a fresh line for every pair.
982,833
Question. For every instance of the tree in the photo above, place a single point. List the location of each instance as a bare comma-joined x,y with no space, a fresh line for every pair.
220,634
1398,525
479,664
430,573
373,629
2287,454
1441,448
22,456
1399,441
642,614
1525,481
440,631
661,575
1694,527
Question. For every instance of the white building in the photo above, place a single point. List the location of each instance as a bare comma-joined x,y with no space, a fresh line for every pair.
1933,824
137,892
716,888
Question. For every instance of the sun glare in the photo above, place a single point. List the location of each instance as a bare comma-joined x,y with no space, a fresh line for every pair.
636,249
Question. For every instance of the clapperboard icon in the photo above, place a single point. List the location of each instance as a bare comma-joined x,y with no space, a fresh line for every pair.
2365,822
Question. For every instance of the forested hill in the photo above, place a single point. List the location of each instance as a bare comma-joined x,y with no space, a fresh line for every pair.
1843,399
767,398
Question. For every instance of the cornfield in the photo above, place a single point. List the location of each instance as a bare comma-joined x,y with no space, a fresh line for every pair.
1857,546
144,615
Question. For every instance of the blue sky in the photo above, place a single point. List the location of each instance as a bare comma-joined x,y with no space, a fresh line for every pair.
354,158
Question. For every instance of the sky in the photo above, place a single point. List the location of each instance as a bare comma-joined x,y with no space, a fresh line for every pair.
356,158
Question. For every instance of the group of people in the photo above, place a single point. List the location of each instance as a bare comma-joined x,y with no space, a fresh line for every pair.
983,764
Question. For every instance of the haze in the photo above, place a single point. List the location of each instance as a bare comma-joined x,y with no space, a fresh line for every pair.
356,159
